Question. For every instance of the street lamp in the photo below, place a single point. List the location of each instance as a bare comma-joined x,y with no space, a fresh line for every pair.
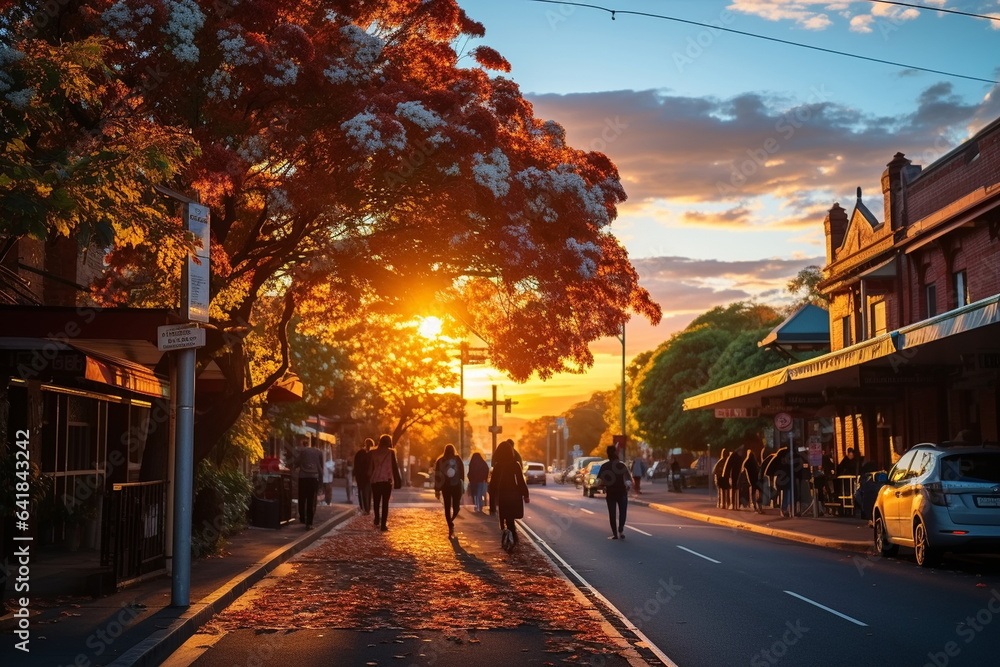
623,441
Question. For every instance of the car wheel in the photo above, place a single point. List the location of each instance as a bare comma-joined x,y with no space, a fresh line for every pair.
882,544
927,556
591,493
585,492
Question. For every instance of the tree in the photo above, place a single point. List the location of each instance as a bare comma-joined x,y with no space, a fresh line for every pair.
352,169
804,288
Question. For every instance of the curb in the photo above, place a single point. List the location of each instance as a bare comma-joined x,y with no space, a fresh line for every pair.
160,644
854,546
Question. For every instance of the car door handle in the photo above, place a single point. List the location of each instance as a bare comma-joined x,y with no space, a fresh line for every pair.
897,494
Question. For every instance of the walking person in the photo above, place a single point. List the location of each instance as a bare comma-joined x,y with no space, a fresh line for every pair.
721,481
616,480
362,465
638,472
479,472
449,473
731,471
675,475
750,477
508,493
383,473
309,463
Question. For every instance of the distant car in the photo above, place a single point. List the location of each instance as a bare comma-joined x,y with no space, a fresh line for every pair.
534,473
579,468
938,499
590,485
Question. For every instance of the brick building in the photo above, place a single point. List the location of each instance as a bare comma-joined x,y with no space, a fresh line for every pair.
914,314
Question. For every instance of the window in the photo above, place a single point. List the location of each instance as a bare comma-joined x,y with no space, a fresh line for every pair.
961,290
877,318
931,293
845,331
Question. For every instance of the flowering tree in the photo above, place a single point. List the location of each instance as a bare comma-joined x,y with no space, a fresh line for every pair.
353,169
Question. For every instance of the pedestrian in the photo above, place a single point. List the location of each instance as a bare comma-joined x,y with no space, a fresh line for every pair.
721,481
383,473
449,473
750,479
309,463
616,480
849,465
479,472
675,474
731,471
329,472
766,480
362,465
638,472
508,493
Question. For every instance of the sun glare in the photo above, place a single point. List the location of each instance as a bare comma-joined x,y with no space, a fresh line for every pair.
429,327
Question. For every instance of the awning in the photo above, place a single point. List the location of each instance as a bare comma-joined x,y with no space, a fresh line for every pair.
754,385
855,355
975,315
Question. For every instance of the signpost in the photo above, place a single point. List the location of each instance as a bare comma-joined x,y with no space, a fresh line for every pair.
784,422
179,337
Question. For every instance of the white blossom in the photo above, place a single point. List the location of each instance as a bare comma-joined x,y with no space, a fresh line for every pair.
185,20
220,84
20,98
253,150
452,170
588,266
8,57
492,172
365,50
288,73
363,130
418,115
120,21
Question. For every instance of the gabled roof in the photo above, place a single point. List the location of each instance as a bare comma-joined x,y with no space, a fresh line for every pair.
809,325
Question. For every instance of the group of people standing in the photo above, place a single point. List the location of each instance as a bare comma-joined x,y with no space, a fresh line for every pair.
376,474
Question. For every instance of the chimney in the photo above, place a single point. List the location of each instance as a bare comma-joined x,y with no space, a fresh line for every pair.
835,226
893,191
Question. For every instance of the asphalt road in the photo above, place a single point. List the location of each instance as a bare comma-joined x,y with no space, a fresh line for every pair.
713,596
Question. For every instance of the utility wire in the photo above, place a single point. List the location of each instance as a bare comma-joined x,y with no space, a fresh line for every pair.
943,10
613,12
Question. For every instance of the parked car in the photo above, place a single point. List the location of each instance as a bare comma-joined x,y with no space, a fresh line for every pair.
534,473
590,486
938,499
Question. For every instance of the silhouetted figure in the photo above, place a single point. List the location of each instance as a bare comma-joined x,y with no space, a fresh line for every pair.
449,473
615,479
309,463
384,476
731,471
675,475
750,480
479,472
508,492
721,482
362,463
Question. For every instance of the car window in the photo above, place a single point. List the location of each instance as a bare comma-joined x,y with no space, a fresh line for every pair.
918,466
902,467
972,467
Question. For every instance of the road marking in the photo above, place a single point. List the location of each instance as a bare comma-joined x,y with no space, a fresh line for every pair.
555,497
717,562
585,510
548,550
825,608
640,531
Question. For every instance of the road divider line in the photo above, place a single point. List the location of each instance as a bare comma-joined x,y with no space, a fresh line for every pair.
555,498
551,553
642,532
585,510
825,608
691,551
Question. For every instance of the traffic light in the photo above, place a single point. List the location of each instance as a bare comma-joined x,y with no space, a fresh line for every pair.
506,406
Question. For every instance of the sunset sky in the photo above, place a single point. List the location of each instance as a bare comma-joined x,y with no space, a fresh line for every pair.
732,148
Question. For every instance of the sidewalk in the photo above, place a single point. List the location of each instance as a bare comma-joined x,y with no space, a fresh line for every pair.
137,625
845,533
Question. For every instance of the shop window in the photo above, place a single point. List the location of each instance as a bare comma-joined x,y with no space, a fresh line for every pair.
930,292
961,290
845,331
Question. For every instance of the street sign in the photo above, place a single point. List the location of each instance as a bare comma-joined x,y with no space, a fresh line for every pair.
495,429
783,422
741,413
179,337
195,289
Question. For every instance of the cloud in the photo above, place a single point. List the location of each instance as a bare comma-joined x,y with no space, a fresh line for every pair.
812,14
709,154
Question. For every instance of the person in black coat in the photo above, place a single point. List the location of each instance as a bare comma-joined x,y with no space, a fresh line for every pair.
731,471
721,482
750,478
615,479
508,492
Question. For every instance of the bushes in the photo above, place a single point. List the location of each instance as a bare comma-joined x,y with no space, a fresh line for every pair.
221,502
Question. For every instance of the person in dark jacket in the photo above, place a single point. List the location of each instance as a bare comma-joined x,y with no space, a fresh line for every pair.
362,461
479,472
508,492
731,471
449,474
616,480
721,483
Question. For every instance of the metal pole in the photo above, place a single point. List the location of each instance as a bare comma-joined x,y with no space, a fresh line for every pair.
461,394
494,429
623,393
791,464
183,479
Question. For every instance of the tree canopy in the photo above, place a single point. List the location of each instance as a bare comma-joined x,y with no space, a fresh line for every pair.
354,169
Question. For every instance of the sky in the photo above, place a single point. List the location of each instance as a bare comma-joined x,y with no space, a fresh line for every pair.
732,148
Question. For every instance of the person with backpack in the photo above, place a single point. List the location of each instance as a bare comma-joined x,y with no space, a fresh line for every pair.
508,492
383,473
309,463
449,473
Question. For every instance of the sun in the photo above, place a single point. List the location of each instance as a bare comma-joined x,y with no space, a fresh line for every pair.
429,327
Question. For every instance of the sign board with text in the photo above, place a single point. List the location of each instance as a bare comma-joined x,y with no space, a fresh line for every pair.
737,413
179,337
195,297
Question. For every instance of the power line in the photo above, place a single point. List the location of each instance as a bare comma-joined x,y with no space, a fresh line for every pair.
939,9
613,12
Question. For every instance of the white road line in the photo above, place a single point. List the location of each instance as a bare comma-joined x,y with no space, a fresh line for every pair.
825,608
640,531
546,549
555,497
699,555
586,510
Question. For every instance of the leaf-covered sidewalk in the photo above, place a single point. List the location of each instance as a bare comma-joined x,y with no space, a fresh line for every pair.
413,578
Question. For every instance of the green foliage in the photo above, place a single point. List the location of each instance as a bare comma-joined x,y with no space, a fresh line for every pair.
804,287
233,490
